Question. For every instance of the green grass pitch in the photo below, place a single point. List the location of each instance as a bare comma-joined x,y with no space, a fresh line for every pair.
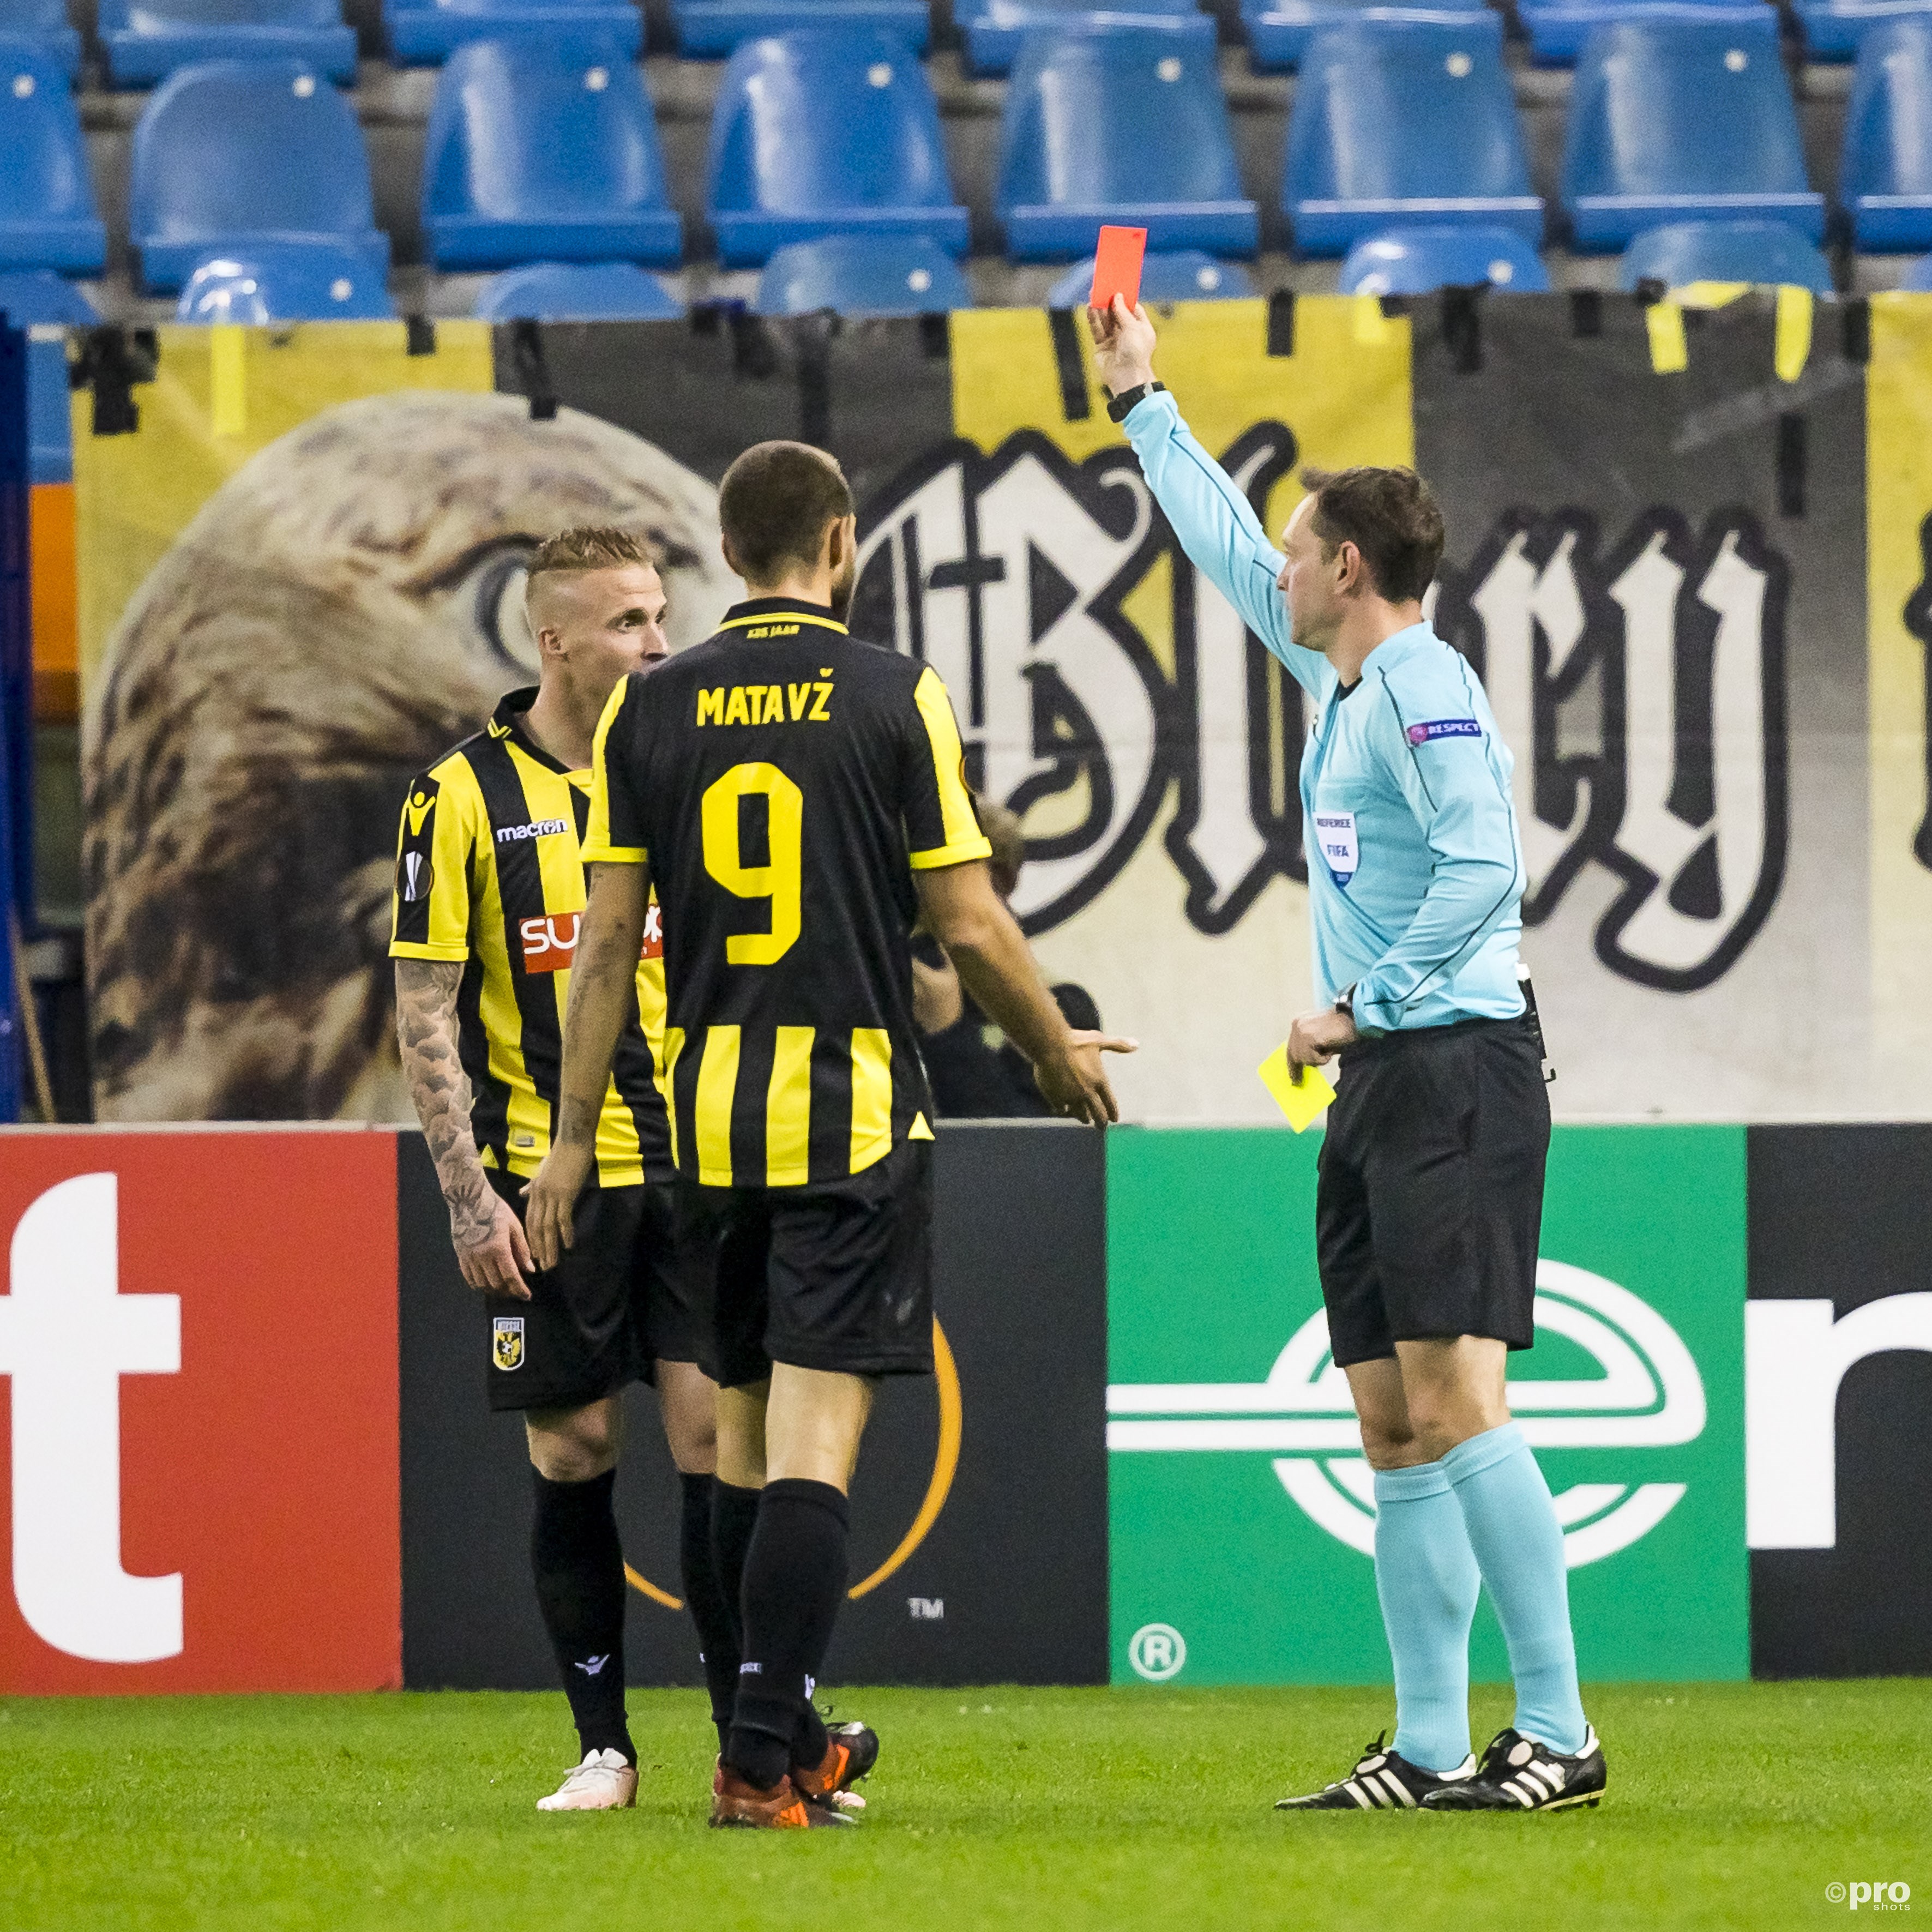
1731,1804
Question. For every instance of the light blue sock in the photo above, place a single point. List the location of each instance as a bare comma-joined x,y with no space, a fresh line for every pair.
1426,1575
1519,1543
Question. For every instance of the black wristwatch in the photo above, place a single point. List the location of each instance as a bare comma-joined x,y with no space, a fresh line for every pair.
1118,409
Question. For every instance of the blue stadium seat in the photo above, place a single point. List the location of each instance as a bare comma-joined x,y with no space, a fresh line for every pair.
1683,252
1558,29
995,29
1406,122
424,33
1278,31
43,25
1917,279
234,153
862,275
1886,178
708,28
1418,261
577,292
819,132
1123,124
286,281
1173,275
543,152
33,299
1683,121
147,40
1835,29
46,195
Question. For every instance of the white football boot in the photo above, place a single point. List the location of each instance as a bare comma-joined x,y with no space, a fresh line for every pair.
603,1782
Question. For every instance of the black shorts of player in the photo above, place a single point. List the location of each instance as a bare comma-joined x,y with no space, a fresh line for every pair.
630,1291
836,1275
1430,1200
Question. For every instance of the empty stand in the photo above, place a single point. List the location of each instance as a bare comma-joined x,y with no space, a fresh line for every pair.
1558,29
288,281
30,299
1681,120
235,153
1417,261
823,132
1119,125
1172,275
708,28
1886,179
1681,252
426,32
1405,122
43,26
539,151
47,218
1278,31
995,29
862,275
577,292
147,40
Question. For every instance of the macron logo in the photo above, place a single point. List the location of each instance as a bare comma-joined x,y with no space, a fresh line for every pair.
591,1666
67,1336
541,828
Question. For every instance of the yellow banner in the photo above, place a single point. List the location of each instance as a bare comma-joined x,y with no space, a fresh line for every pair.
219,396
1143,941
1898,550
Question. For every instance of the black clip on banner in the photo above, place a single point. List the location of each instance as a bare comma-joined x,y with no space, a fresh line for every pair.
527,358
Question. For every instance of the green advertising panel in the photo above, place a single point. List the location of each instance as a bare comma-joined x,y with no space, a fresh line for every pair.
1241,1512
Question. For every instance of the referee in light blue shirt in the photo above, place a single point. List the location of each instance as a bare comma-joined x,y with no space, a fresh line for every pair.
1430,1200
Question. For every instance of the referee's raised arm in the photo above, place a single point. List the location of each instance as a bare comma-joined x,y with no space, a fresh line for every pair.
1216,523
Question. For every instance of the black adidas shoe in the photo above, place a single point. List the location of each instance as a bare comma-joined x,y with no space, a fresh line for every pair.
1383,1781
1519,1775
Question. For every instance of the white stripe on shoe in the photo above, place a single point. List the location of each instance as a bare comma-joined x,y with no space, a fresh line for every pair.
1399,1789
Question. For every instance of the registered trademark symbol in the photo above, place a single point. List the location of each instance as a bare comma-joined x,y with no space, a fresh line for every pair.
1158,1651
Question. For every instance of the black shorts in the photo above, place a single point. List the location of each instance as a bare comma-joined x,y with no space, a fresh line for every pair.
630,1292
837,1276
1430,1201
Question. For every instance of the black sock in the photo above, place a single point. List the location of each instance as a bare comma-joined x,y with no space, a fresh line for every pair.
579,1567
734,1515
704,1596
794,1583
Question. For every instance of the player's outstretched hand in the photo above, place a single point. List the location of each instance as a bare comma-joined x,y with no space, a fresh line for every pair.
1077,1087
497,1260
550,1210
1124,340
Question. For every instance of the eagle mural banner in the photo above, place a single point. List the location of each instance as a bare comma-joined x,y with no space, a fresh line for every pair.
300,580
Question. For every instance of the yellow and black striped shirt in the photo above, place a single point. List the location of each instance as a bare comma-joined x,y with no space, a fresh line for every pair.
784,781
489,871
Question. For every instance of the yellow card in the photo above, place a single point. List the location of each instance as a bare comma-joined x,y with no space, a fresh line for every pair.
1304,1103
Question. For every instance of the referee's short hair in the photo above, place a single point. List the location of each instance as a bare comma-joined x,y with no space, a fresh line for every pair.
587,546
1390,516
775,503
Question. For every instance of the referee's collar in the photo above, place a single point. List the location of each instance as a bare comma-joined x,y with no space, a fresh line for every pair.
511,721
763,610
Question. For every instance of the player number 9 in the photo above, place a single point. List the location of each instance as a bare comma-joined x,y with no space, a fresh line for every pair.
781,881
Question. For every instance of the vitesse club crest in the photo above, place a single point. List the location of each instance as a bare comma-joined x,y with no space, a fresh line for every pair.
507,1349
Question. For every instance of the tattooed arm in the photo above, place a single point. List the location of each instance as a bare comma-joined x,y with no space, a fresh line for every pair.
603,991
490,1248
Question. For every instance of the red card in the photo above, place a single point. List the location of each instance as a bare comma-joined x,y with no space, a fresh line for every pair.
1117,266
